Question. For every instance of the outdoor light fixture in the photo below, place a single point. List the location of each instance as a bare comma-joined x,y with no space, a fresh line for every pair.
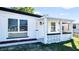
41,23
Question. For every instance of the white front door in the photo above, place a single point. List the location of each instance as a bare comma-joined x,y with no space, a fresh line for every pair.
40,29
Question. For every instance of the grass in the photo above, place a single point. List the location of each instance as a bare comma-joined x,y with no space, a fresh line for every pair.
72,45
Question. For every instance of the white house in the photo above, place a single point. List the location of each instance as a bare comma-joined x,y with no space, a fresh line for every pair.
18,27
76,28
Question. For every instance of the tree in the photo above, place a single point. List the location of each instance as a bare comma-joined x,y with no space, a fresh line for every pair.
24,9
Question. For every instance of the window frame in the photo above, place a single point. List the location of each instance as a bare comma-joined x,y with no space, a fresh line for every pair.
20,24
54,27
67,25
18,31
74,26
8,24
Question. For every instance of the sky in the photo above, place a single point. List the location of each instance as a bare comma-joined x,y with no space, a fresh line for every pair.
59,12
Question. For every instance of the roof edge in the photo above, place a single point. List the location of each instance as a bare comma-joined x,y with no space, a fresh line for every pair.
60,19
19,12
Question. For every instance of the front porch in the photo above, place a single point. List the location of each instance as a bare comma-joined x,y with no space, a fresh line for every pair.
56,30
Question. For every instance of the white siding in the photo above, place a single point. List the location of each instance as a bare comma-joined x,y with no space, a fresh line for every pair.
31,28
4,24
53,39
57,38
3,27
66,37
0,28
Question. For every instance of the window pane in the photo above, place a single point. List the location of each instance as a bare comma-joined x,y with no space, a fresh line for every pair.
74,26
52,24
52,27
12,25
23,25
62,28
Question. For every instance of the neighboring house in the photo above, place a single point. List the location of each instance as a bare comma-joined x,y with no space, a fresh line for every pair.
18,27
76,28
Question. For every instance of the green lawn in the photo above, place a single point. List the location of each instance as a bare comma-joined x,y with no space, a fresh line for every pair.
72,45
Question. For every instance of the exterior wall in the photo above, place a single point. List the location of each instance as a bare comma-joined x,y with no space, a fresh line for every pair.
4,24
66,37
0,29
57,26
53,38
3,27
40,30
58,38
34,29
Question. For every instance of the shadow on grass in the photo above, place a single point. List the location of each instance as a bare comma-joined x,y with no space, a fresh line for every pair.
61,47
42,47
73,48
73,45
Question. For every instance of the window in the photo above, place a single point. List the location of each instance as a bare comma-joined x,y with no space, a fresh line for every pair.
53,26
65,27
23,25
74,26
12,25
17,28
62,28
